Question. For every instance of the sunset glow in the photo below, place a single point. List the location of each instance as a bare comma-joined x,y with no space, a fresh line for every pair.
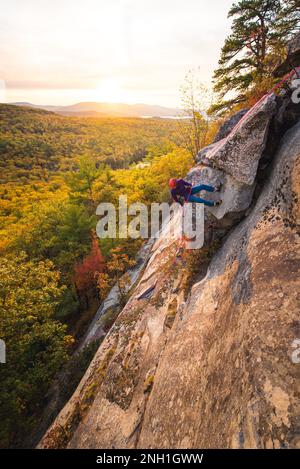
125,50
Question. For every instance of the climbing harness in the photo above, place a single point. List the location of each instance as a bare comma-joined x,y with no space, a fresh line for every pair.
183,239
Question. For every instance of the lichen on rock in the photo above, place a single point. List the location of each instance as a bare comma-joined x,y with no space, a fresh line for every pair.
205,361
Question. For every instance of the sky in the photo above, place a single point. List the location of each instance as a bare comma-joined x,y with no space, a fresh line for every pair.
133,51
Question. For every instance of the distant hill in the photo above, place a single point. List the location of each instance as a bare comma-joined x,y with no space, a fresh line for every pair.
38,145
94,109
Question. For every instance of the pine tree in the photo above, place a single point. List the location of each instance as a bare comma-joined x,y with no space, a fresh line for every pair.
81,183
288,19
260,31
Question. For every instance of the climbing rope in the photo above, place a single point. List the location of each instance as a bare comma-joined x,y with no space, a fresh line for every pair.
257,106
183,239
182,242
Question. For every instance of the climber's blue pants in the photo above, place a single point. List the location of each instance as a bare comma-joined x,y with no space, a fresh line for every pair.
196,189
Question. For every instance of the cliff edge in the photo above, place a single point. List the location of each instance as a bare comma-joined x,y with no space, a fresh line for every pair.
206,360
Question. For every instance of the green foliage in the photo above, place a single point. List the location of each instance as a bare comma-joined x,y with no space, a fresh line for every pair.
108,318
54,172
117,265
196,263
36,343
60,232
148,183
196,100
68,305
75,369
81,182
260,30
38,145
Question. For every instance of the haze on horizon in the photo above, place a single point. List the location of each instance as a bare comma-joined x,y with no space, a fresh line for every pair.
131,51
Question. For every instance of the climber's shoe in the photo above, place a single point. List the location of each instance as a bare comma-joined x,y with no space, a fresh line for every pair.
218,188
217,203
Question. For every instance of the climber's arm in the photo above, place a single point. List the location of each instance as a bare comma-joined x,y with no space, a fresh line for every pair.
188,184
177,198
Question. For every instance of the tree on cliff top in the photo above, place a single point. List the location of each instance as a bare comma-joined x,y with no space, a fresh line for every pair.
260,31
196,100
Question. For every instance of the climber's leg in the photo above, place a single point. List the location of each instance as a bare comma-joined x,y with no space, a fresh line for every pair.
198,200
202,187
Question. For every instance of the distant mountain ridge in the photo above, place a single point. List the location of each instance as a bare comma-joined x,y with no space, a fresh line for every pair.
94,109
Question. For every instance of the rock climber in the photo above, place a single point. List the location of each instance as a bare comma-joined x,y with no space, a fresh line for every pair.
182,191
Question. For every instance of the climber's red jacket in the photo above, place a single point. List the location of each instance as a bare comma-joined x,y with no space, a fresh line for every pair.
181,191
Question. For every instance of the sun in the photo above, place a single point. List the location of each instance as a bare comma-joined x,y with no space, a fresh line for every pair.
110,91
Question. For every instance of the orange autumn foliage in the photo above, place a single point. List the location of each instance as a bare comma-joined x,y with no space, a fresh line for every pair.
85,271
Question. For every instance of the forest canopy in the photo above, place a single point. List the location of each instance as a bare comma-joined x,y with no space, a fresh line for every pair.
54,172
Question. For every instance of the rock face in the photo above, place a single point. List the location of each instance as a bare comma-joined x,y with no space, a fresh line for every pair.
239,153
236,196
95,330
233,161
229,125
232,382
205,357
293,57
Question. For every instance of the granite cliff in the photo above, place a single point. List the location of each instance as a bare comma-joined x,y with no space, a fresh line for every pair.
201,355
